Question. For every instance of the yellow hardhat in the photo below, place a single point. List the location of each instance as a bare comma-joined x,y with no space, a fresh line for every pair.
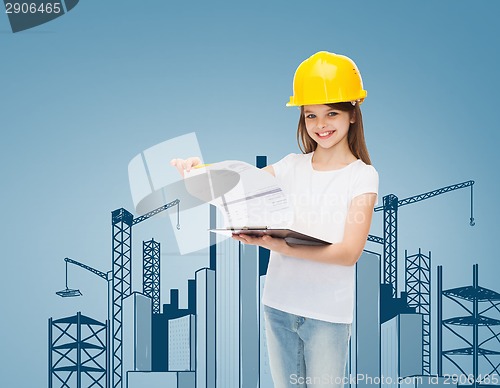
326,78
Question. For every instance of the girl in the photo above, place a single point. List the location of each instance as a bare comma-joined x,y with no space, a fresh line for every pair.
332,187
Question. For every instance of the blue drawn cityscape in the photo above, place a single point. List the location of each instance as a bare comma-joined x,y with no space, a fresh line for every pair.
219,339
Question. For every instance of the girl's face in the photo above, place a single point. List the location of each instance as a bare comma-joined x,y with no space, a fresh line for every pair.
327,126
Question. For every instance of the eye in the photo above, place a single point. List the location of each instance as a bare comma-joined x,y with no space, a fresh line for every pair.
310,116
332,114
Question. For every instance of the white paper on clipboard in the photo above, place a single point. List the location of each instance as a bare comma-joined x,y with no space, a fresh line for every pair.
244,194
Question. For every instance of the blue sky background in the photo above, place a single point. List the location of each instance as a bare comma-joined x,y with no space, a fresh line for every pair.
82,95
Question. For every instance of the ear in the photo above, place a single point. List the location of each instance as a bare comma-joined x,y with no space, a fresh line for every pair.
353,117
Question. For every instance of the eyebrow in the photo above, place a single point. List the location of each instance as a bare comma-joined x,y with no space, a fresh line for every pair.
326,111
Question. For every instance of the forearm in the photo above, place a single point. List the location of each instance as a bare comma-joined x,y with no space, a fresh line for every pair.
339,253
346,252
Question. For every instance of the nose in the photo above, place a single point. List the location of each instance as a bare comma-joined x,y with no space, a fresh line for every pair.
321,125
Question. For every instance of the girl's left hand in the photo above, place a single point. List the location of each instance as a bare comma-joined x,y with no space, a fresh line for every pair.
268,242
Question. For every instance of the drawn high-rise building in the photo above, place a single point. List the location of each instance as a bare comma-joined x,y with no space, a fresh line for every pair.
250,315
181,343
365,335
237,314
265,378
205,328
137,339
174,340
227,314
401,348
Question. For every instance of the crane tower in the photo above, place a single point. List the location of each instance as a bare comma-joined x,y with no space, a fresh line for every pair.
122,222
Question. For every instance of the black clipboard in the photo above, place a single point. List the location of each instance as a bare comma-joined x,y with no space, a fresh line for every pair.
289,235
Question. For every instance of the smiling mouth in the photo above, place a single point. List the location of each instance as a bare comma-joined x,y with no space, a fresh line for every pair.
324,135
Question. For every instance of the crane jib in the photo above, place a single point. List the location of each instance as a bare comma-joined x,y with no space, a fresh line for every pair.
433,193
159,210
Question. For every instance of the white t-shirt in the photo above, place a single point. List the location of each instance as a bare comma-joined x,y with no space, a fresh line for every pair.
320,200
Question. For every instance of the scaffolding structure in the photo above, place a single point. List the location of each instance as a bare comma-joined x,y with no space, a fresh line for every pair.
478,362
151,273
418,289
77,352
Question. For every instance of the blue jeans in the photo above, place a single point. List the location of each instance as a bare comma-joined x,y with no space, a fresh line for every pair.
306,352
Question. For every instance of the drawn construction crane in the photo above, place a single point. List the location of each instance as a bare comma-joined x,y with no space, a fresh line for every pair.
88,343
68,292
119,281
390,207
122,222
417,269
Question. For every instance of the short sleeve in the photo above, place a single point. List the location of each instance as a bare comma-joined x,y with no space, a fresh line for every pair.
366,181
283,165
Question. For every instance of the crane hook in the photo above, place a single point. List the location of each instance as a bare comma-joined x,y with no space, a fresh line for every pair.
472,222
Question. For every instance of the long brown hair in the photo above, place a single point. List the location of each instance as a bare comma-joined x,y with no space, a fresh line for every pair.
355,136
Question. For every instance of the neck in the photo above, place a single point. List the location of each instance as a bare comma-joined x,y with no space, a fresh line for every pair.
332,159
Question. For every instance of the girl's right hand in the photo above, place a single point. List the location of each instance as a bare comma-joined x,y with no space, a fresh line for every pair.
185,164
